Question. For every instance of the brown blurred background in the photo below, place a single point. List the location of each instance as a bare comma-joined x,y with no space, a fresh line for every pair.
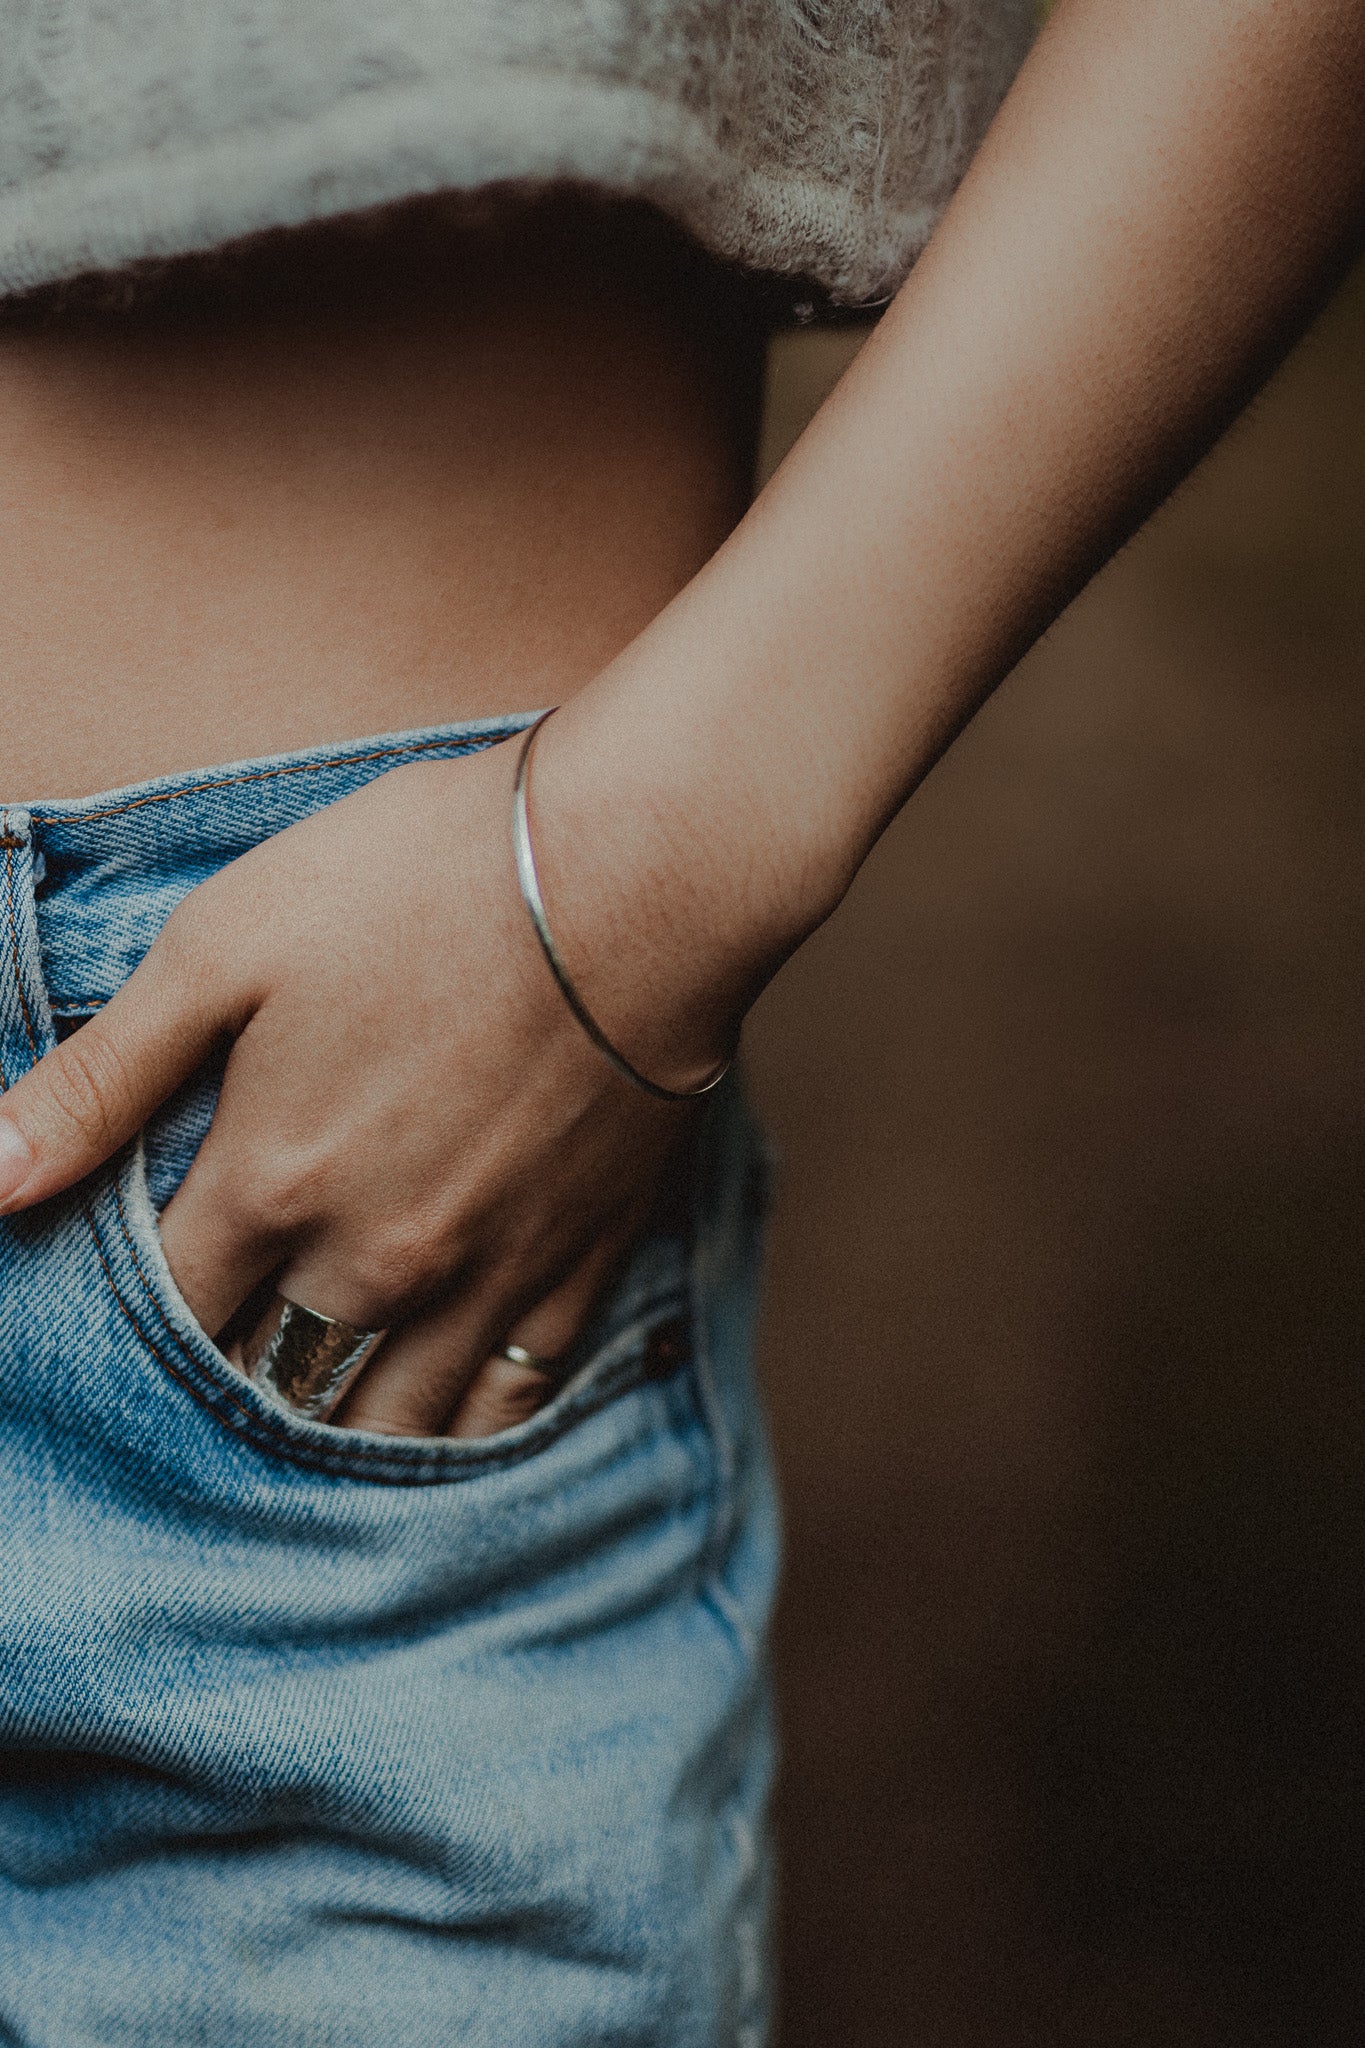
1064,1327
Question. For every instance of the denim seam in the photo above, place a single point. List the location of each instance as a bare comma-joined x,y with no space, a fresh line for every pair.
10,844
751,1973
217,1398
239,1418
167,796
346,1461
724,1462
9,841
132,1320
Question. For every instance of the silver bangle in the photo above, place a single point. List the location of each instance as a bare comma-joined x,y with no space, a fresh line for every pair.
535,903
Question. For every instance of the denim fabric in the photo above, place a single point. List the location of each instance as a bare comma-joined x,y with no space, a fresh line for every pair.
310,1737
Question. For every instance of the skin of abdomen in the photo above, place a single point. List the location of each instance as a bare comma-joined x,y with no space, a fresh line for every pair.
351,481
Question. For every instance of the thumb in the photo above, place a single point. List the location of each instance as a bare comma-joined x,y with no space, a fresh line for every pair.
89,1095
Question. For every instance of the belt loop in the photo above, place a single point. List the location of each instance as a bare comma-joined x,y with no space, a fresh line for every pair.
25,1020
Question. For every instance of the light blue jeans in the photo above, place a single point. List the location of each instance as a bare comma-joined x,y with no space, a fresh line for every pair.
310,1737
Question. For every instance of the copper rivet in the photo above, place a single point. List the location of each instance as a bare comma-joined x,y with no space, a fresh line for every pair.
666,1348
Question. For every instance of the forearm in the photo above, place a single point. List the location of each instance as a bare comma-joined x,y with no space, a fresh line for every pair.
1151,221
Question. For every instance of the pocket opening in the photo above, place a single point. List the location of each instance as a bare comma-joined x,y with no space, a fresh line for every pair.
643,1337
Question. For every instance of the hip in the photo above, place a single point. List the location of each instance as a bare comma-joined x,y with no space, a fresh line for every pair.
296,1719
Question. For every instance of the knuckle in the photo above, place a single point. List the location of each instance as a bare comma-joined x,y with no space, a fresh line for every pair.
209,958
179,951
399,1264
185,958
282,1197
552,1328
89,1087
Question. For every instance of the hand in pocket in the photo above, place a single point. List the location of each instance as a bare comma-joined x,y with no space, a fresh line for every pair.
413,1132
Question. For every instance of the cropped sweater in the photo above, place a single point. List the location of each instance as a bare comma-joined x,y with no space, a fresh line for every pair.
819,139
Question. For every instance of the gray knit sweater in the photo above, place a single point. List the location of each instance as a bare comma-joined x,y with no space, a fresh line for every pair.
818,138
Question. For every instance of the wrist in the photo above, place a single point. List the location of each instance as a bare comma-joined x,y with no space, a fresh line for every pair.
660,947
528,878
673,891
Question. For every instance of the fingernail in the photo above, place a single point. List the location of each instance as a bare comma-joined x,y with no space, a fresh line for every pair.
16,1160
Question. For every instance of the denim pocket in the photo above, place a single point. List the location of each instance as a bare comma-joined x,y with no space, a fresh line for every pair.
641,1333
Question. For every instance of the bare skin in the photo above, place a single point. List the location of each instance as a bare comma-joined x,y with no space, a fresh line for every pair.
352,480
1163,200
356,480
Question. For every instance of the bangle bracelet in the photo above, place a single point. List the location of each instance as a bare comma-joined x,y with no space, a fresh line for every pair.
535,903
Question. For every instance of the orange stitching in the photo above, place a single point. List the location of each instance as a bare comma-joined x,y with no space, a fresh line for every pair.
5,1080
14,947
346,1462
167,796
343,1458
320,1458
138,1330
301,1453
10,843
229,1393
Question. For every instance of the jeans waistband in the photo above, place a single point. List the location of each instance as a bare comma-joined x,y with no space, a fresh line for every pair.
108,870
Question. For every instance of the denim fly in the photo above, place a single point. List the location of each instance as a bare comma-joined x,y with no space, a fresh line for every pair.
316,1739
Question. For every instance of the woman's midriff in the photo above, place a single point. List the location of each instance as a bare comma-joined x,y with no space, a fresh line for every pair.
355,480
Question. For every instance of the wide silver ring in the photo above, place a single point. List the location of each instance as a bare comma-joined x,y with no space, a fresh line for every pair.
306,1359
